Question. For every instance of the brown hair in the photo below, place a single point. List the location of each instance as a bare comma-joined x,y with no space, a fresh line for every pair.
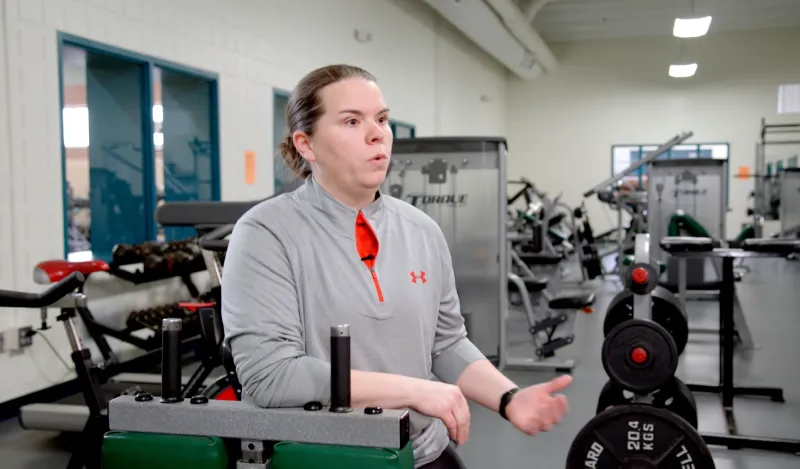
305,108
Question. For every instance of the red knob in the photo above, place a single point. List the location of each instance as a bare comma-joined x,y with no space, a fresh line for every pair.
639,275
639,355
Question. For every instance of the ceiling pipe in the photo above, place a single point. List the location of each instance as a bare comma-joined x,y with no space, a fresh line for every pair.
519,26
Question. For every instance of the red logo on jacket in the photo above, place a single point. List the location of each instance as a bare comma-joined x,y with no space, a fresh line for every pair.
420,277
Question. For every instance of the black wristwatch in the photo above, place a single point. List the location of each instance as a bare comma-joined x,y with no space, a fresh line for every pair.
504,400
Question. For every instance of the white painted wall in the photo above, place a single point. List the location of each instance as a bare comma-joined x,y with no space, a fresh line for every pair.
431,75
562,126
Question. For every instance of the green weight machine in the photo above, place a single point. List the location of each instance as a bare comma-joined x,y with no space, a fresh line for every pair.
683,224
167,432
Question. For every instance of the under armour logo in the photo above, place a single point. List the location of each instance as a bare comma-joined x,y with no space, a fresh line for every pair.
415,277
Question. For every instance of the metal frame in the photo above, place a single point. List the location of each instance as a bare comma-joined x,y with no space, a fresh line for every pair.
646,160
503,257
651,221
726,387
761,165
795,174
525,363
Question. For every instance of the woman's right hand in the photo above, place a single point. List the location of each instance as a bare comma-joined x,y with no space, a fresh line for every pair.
445,402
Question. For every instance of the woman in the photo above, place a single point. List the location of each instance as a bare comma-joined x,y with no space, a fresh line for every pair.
337,250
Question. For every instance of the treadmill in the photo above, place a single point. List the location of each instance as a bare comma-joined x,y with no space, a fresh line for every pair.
69,415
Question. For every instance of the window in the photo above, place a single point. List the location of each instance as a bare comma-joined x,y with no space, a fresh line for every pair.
401,130
789,98
76,126
623,156
120,160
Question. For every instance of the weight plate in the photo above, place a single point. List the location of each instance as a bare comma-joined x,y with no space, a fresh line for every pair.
638,436
675,397
666,309
639,356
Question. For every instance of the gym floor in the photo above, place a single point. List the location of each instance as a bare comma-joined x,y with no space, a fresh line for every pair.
770,298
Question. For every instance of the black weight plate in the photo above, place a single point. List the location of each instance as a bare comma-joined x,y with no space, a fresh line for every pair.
638,436
666,310
660,356
674,397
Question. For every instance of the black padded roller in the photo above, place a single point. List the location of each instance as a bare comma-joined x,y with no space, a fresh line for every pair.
171,360
770,245
674,244
340,369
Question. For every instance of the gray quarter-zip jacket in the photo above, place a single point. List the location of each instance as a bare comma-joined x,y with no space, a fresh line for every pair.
299,263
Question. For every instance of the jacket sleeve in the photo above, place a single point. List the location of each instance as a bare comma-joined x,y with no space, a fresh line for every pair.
452,350
261,317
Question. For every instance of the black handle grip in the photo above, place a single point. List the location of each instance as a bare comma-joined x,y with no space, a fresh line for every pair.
171,360
340,369
214,240
17,299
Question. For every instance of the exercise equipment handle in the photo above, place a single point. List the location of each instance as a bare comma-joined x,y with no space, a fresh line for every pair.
171,360
195,212
59,290
340,368
676,140
215,239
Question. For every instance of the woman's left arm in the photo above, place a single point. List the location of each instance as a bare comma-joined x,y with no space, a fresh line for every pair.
456,360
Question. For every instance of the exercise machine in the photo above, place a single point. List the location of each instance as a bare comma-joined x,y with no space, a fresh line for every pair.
88,418
90,376
86,452
687,196
790,203
768,192
461,183
195,431
547,319
615,183
630,202
114,376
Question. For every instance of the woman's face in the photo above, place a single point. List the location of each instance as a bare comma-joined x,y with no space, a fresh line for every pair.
352,141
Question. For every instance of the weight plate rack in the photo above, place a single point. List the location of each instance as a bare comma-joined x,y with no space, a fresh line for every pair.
646,417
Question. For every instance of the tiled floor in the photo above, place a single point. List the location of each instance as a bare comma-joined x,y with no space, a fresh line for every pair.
771,299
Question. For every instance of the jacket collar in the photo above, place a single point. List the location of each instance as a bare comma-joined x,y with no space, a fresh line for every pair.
340,217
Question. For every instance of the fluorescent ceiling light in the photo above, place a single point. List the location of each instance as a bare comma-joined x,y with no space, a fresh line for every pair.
682,71
691,27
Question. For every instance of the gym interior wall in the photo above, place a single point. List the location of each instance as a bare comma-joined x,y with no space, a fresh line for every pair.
434,78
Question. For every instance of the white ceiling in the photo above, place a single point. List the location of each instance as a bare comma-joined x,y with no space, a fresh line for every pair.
581,20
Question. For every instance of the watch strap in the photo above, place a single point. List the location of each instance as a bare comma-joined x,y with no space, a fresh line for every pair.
504,400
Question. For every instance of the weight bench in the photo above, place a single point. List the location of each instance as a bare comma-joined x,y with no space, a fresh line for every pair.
688,247
540,258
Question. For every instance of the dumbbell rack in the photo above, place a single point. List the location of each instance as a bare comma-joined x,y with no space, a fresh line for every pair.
97,330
